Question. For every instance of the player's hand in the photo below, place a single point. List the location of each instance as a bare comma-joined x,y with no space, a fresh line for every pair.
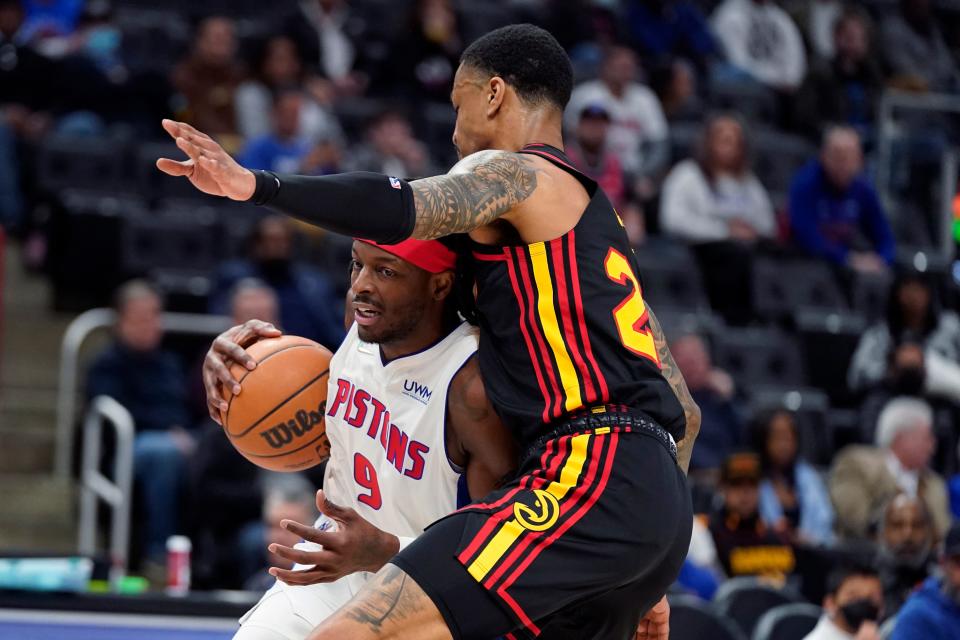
226,349
208,167
356,546
655,625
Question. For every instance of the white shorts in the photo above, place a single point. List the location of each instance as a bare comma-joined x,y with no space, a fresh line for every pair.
288,612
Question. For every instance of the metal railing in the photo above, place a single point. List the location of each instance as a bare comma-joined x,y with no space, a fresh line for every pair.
73,339
94,485
889,132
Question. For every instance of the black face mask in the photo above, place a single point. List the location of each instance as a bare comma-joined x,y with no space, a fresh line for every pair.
859,611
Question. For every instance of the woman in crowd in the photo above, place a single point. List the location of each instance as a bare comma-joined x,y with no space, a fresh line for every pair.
793,498
915,349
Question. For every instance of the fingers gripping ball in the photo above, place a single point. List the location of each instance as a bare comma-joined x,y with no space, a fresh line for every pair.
277,420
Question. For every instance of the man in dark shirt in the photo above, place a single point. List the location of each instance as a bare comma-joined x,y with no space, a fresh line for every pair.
146,380
745,545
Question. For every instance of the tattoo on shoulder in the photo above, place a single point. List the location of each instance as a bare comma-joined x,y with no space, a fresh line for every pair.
478,190
385,598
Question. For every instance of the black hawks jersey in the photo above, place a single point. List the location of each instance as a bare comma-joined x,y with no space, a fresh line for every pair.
564,325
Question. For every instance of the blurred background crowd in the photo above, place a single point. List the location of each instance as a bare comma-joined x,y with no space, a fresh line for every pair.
786,170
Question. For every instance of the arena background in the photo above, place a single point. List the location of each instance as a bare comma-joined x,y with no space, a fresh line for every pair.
769,256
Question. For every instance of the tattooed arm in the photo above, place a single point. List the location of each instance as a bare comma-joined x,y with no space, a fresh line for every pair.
671,372
477,190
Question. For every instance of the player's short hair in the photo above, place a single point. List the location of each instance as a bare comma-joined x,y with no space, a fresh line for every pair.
529,59
849,569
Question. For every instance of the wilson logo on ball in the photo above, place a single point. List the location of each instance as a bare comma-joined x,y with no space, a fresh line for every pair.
303,422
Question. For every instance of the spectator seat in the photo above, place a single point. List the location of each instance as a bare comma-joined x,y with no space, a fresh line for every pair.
783,287
81,162
691,617
758,357
828,340
745,600
788,622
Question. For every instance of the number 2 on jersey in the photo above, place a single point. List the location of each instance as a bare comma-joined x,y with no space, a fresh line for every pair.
631,316
366,476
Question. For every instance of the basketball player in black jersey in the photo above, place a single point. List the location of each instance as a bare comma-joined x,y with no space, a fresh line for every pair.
595,526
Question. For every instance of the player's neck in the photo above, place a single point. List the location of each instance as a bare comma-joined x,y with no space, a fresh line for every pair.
424,336
533,125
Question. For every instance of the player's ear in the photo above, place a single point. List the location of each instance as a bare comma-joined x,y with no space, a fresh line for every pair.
441,284
496,93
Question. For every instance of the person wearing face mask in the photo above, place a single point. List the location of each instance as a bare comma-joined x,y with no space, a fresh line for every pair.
852,607
865,478
933,612
904,549
309,306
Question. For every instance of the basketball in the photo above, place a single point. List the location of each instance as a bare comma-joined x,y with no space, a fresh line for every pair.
277,420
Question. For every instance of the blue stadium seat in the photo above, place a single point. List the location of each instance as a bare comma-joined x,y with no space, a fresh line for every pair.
789,622
745,600
694,619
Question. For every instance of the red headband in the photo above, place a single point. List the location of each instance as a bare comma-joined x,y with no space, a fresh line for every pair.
429,255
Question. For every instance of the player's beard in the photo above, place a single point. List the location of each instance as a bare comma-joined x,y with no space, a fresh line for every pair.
401,324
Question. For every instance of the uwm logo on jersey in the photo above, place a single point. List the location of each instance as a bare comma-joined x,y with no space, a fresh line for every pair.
359,409
417,391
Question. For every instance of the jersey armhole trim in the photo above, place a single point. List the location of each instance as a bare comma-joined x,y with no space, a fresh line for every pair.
446,416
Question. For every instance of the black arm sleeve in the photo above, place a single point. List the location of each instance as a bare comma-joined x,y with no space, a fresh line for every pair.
358,204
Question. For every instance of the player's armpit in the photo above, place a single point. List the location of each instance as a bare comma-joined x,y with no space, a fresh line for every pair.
670,371
391,606
477,190
489,450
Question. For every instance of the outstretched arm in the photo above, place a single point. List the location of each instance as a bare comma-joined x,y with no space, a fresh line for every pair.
477,191
671,372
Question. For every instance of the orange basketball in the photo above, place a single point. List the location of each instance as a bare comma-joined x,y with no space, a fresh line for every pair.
277,420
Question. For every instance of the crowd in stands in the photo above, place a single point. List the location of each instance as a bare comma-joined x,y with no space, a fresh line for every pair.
809,307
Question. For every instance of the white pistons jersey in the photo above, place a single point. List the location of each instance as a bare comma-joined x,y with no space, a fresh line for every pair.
386,424
388,460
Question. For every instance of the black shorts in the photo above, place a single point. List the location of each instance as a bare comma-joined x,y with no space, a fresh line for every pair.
587,538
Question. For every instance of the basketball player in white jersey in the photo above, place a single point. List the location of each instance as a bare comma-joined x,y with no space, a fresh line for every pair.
412,434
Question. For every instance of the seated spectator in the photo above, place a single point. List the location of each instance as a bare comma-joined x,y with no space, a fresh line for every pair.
835,213
324,158
677,88
844,88
905,546
793,498
149,383
324,32
853,606
391,148
589,153
638,132
864,478
817,20
722,430
662,31
916,349
308,305
284,148
915,50
745,545
716,202
761,40
933,612
50,19
250,299
286,497
428,55
716,196
209,76
279,67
